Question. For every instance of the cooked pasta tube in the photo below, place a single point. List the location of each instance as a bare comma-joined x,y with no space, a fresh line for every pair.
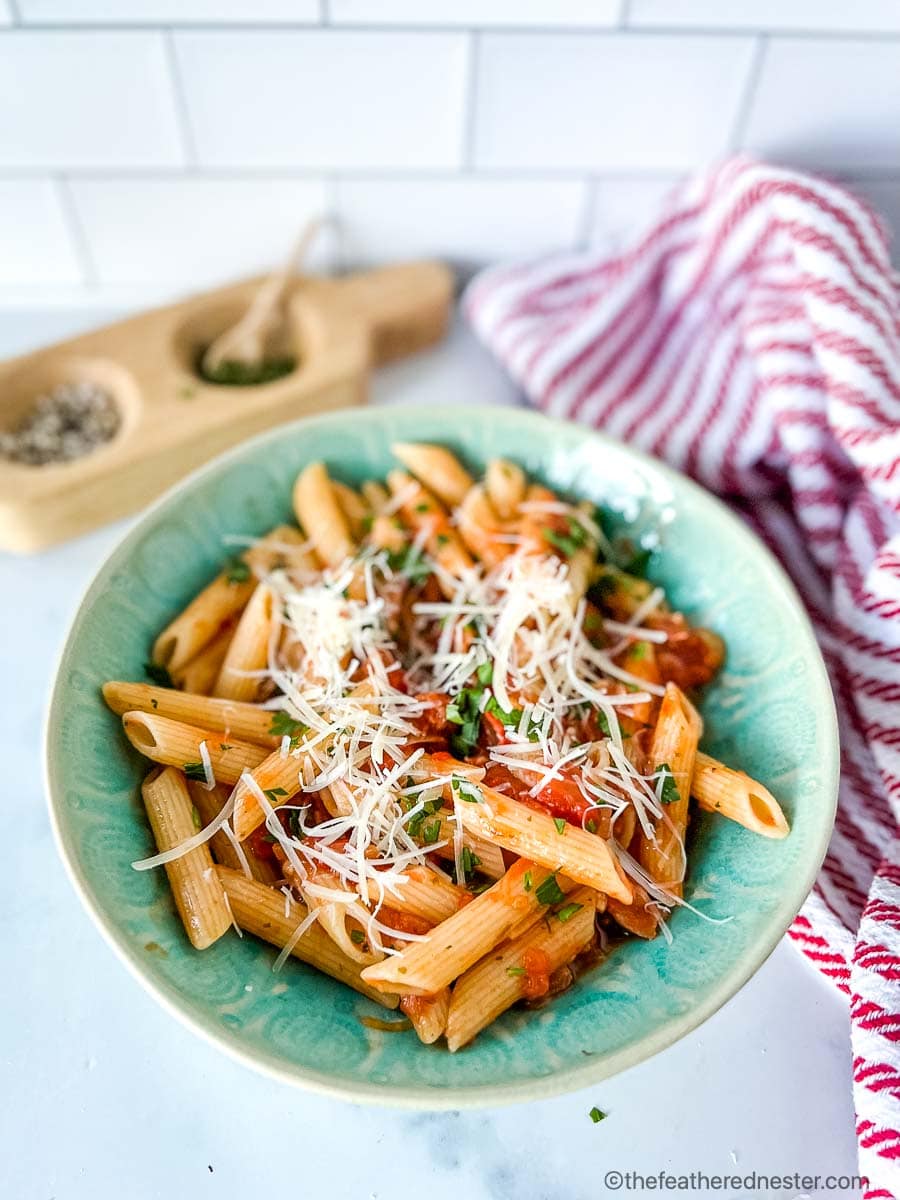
175,744
489,855
375,494
581,561
199,675
227,852
248,650
424,967
320,514
278,777
496,982
247,722
556,845
505,485
428,895
260,910
733,794
197,891
342,915
424,514
195,627
436,466
480,528
674,748
356,511
428,1014
641,917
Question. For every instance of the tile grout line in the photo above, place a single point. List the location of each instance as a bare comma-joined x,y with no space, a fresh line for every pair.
77,232
748,94
470,114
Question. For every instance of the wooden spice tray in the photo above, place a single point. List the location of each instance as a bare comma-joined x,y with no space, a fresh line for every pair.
172,420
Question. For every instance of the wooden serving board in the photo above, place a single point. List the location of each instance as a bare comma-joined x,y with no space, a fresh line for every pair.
172,420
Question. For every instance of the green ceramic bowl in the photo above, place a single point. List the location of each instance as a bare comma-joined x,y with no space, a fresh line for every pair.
770,712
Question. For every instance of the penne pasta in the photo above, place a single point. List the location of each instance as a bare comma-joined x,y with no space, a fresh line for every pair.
733,794
248,650
427,895
424,514
436,466
428,1014
226,850
278,777
583,856
375,495
320,514
247,722
356,511
481,529
501,978
199,675
425,967
260,910
195,888
505,485
674,750
174,744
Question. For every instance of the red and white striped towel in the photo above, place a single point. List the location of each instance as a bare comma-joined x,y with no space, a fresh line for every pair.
751,337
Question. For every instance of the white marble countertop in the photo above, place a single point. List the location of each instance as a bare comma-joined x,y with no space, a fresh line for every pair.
105,1097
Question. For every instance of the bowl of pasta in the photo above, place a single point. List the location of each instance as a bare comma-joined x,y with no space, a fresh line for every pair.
441,763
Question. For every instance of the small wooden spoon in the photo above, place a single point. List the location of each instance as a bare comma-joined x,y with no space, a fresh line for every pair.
246,341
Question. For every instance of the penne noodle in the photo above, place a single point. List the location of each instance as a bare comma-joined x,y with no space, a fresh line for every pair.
428,895
356,511
675,747
732,794
376,495
260,910
200,674
496,982
583,856
279,777
505,485
208,804
248,650
247,722
489,855
581,563
175,744
321,516
480,528
195,627
388,533
424,514
197,891
426,967
428,1014
641,917
436,466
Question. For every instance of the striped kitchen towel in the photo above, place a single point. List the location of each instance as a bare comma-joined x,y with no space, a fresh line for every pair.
751,337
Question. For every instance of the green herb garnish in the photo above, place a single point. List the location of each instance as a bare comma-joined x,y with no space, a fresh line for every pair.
485,672
408,562
415,822
550,892
195,771
669,793
527,881
284,725
467,791
591,825
560,825
515,970
159,674
469,862
567,543
596,1115
195,817
568,912
236,569
357,937
273,794
431,833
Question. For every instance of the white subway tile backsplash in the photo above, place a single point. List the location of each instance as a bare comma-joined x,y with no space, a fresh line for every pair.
325,99
478,13
465,220
86,100
814,15
828,102
622,207
5,13
169,12
606,101
192,232
36,246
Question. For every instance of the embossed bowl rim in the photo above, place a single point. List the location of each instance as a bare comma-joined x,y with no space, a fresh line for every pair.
772,576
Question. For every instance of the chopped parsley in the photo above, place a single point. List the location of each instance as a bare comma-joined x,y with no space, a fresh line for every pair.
567,543
596,1115
560,825
639,650
159,674
568,912
408,562
284,725
195,817
550,892
194,770
527,881
515,970
236,569
431,833
591,825
485,672
357,937
417,820
442,539
469,862
466,791
295,824
273,794
422,508
669,793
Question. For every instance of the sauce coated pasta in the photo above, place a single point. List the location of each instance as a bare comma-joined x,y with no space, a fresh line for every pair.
442,742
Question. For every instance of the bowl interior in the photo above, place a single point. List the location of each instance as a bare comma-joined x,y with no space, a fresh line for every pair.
770,713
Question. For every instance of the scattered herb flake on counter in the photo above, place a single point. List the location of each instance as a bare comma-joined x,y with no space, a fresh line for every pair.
597,1115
